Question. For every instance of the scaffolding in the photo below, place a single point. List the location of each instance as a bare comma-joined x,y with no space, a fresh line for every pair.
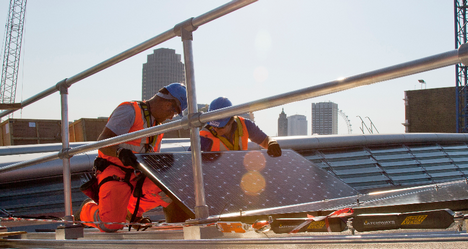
196,119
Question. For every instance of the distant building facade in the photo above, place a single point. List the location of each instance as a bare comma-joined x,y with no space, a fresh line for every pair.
282,124
162,67
324,118
297,125
431,110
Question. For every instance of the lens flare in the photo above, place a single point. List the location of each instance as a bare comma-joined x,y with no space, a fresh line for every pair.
254,161
253,183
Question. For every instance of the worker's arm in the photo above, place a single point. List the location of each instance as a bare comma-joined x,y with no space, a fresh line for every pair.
119,123
110,150
125,155
272,146
265,142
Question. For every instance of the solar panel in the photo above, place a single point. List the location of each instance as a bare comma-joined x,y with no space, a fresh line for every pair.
244,180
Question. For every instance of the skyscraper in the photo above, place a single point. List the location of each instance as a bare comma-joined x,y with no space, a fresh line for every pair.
282,124
297,125
163,67
324,118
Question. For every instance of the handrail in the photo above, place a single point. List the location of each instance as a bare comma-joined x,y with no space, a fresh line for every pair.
183,29
169,34
196,119
400,70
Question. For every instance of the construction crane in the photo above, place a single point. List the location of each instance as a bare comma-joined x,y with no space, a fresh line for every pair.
11,54
461,70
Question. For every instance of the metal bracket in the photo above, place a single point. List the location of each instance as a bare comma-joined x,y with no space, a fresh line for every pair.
63,153
62,86
192,120
69,232
185,29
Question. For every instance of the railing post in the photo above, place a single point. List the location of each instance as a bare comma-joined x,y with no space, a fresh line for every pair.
63,88
184,30
69,231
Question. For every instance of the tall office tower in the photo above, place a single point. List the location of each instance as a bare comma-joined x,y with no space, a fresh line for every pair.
163,67
297,125
324,118
282,124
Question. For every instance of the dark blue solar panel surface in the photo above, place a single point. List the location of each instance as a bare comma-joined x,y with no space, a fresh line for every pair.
244,180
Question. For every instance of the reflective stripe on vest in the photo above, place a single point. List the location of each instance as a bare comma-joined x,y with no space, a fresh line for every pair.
219,146
137,145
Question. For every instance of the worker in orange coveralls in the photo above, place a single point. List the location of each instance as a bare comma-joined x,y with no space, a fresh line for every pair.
115,165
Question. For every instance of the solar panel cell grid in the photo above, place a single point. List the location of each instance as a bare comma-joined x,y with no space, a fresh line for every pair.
245,180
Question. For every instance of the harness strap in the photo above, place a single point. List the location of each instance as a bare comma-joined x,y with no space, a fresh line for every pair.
138,193
116,178
238,133
146,111
102,164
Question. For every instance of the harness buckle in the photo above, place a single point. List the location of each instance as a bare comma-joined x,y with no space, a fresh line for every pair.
135,171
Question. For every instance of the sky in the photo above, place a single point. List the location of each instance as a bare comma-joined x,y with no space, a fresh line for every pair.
264,49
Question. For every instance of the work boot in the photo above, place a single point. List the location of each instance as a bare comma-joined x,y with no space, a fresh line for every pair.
78,213
138,220
143,220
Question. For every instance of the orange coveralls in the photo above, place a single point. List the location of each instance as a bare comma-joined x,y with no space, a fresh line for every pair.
115,197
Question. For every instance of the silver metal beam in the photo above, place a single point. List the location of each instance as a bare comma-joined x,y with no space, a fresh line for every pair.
169,34
400,70
201,209
66,161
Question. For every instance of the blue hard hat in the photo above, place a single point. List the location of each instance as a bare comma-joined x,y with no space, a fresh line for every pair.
216,104
179,92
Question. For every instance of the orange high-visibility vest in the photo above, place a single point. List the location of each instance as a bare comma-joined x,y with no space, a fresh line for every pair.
138,145
216,146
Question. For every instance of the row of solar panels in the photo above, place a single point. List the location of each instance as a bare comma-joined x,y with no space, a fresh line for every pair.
369,168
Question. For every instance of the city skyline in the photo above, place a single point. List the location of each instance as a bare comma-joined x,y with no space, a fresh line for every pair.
265,49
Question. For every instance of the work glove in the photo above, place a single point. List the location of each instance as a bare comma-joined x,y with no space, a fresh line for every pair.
128,158
274,149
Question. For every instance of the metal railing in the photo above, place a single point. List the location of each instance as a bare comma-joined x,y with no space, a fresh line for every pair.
194,119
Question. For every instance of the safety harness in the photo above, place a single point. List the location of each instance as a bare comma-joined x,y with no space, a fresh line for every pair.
238,133
101,164
153,139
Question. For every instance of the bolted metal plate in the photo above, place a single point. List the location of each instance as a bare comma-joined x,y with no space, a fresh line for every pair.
244,180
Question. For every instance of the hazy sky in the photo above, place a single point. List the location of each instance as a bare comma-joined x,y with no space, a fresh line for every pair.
264,49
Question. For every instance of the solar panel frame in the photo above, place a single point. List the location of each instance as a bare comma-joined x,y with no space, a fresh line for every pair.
238,181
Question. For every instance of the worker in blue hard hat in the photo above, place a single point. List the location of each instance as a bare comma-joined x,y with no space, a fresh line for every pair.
233,133
123,193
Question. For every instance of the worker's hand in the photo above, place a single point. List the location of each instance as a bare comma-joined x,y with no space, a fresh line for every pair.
274,149
127,157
